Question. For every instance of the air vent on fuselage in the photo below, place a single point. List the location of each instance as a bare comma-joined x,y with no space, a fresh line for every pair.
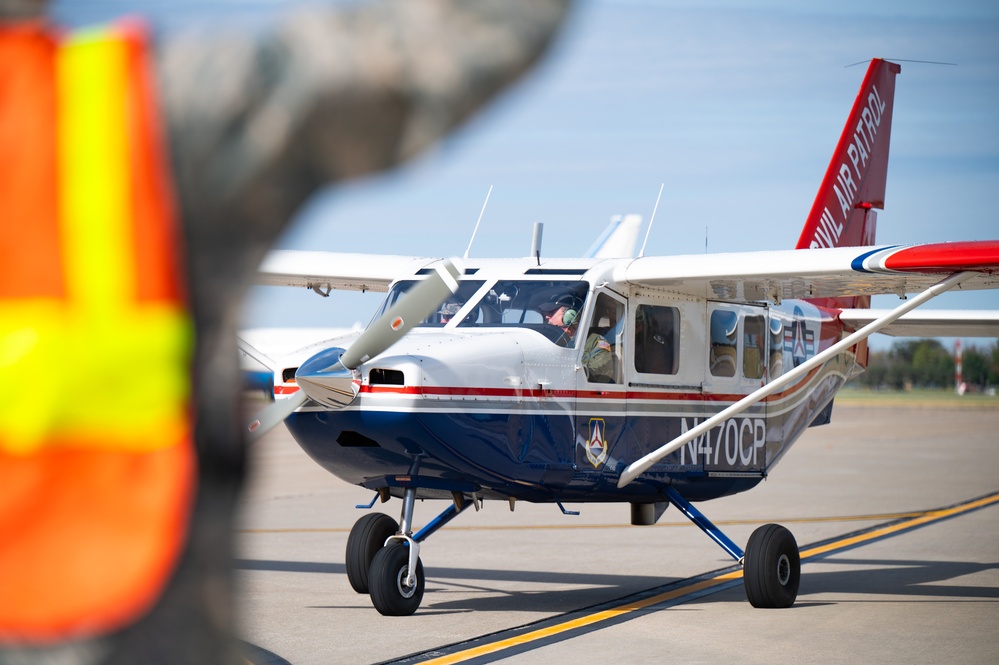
430,271
555,271
351,439
386,377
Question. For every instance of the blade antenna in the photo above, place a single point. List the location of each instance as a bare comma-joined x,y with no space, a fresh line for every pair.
921,62
478,221
651,219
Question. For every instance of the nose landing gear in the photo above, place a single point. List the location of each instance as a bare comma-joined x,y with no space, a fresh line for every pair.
383,558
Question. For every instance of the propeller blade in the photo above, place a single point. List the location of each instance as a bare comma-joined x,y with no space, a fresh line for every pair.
421,301
329,377
274,413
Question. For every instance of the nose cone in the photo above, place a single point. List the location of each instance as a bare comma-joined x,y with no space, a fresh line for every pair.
325,380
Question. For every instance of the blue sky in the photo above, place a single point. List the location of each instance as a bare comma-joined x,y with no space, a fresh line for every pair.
735,107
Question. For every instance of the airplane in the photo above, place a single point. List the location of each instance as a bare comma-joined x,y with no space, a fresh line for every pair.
646,380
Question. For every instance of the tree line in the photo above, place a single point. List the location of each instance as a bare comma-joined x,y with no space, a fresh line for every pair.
926,363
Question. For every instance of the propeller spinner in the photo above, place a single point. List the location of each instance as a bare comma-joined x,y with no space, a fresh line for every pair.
330,377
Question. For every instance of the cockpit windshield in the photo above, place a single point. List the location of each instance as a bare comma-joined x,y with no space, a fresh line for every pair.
444,313
552,308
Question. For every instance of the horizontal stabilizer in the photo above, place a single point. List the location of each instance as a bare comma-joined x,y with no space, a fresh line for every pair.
930,323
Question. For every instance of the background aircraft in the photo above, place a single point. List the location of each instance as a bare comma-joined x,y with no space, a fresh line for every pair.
649,380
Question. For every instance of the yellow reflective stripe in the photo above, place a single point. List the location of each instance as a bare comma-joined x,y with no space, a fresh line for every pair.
91,80
123,385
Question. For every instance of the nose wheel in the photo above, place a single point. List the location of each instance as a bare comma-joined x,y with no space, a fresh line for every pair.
366,538
394,592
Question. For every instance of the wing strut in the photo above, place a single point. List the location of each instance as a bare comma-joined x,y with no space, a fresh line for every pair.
639,466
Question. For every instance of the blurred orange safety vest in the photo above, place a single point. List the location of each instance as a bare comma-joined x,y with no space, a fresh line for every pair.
96,461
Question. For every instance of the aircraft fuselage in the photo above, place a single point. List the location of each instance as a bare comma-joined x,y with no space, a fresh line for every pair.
497,403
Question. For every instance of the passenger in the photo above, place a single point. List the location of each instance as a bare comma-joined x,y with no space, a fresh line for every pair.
654,346
598,359
447,311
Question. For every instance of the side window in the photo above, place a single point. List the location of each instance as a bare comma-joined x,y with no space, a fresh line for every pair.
776,347
656,339
604,345
753,347
722,360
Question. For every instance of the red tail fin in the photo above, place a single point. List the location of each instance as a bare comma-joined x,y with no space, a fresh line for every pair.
842,214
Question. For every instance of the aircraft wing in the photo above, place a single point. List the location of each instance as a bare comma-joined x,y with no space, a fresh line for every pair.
325,271
817,273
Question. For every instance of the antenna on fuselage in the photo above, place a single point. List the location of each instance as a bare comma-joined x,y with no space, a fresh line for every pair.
476,230
539,228
651,219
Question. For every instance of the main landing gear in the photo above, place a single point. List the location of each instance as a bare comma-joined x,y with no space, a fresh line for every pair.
383,557
771,566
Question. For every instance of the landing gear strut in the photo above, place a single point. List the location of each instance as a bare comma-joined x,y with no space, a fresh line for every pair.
383,558
771,565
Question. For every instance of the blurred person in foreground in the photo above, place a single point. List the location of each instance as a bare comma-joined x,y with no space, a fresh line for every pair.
145,177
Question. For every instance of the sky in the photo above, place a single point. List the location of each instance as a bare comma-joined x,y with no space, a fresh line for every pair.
735,107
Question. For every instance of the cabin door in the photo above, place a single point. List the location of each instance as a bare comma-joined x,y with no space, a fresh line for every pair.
600,386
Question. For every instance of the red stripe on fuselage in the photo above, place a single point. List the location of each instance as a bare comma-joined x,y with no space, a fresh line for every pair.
577,394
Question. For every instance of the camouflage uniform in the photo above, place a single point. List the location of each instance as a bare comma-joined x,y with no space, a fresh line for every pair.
256,123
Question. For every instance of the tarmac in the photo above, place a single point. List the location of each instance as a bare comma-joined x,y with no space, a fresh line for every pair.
895,510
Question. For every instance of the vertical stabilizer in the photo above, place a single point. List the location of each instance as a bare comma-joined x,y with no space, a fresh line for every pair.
854,184
843,214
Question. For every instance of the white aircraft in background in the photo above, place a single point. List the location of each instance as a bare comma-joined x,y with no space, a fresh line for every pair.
649,381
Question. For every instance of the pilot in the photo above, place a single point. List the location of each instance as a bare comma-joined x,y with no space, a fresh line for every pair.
563,312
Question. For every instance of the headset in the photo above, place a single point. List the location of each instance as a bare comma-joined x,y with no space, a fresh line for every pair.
572,306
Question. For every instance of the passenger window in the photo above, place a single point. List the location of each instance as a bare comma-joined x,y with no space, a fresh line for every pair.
753,344
776,348
722,360
656,337
604,348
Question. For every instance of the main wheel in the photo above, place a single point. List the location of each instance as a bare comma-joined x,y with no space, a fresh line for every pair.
367,536
772,567
387,581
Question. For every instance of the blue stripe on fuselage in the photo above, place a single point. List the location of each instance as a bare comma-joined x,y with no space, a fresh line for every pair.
530,456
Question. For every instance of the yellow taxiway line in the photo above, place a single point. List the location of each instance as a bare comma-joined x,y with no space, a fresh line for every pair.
907,521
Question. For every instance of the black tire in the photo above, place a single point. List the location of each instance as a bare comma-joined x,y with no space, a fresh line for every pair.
388,571
367,536
772,567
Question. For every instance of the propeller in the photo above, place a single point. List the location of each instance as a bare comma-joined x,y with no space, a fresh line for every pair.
330,376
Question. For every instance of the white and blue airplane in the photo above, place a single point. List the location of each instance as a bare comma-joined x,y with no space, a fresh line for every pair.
648,380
